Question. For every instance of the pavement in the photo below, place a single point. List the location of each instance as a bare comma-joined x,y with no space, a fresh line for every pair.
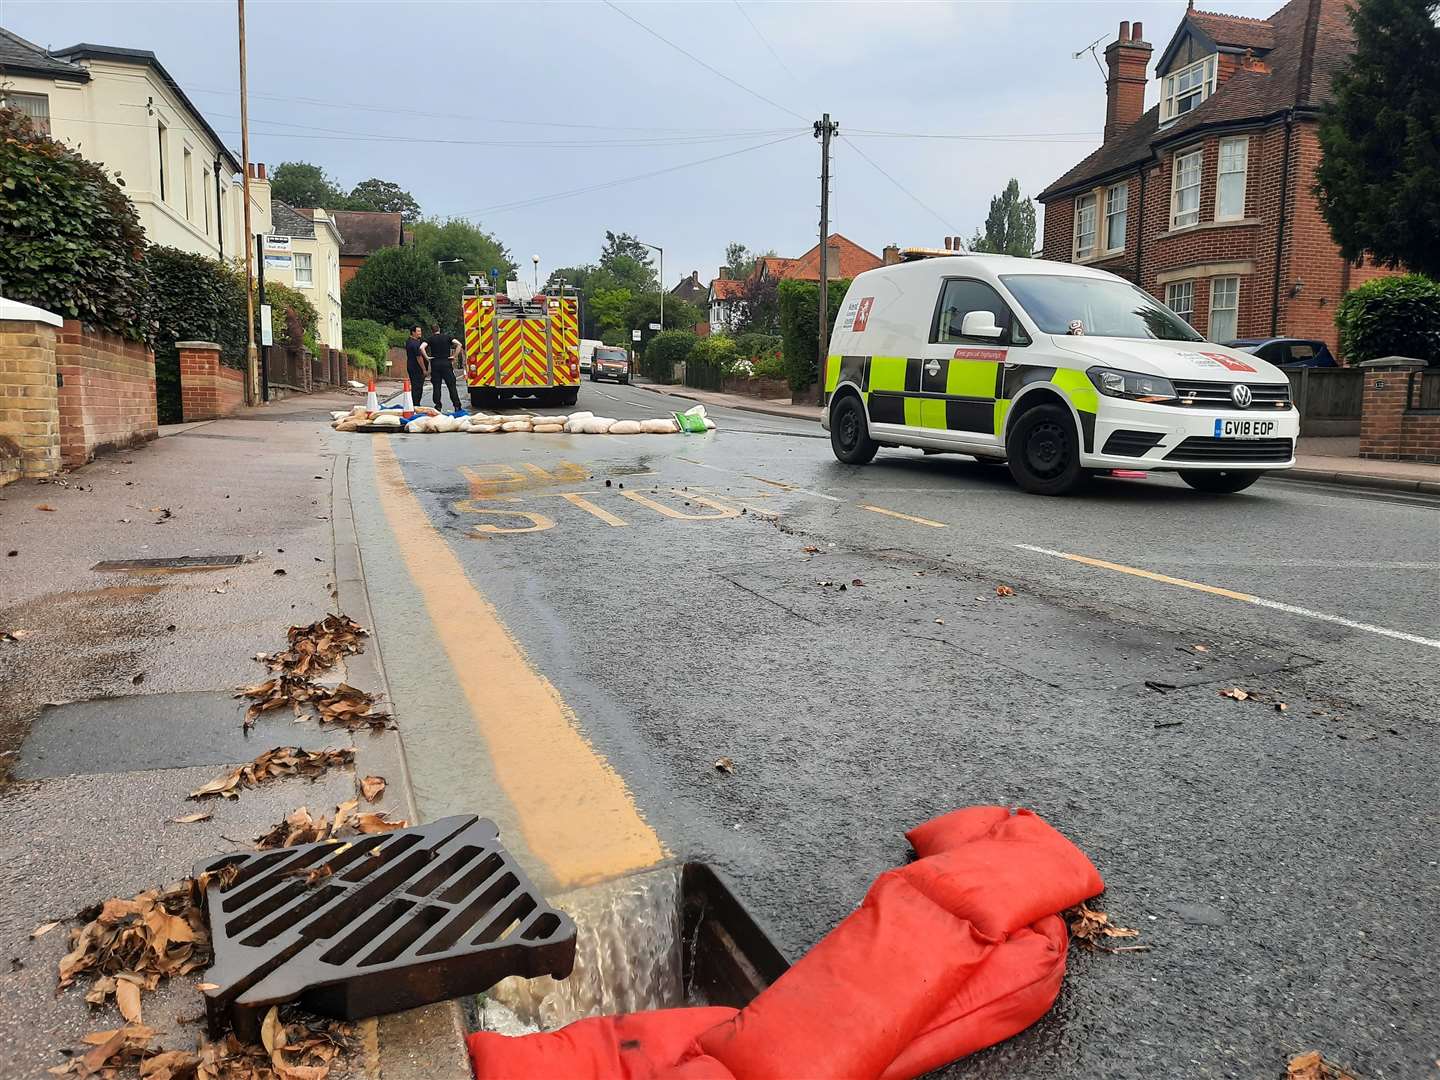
1319,459
588,623
118,701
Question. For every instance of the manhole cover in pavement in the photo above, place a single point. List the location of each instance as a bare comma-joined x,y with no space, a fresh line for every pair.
375,924
179,562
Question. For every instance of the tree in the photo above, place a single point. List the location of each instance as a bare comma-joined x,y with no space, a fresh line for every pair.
69,238
384,196
298,183
644,309
1010,225
1391,316
759,308
800,327
1379,176
741,260
609,309
399,286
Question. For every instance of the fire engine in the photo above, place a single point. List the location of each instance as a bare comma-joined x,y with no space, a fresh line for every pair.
521,344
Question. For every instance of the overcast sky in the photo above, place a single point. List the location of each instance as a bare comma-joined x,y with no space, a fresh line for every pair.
427,93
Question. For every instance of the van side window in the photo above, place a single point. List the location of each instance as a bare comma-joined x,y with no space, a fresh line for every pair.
962,295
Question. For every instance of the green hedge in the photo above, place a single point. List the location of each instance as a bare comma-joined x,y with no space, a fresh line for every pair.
800,327
709,361
665,350
70,241
1394,316
192,298
367,343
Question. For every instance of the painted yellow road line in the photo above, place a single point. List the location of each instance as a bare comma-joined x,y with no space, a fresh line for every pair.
1230,594
577,498
904,517
575,812
721,511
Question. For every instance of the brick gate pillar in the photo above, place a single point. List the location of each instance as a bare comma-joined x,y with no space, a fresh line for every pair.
29,397
1382,408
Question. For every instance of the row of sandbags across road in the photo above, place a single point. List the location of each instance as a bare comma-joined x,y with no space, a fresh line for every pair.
426,421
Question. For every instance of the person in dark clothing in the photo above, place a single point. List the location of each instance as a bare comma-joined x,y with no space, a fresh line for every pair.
436,351
415,363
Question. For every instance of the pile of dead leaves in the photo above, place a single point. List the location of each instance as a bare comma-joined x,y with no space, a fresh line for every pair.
289,1051
275,764
301,828
1094,929
276,693
130,945
1311,1066
347,706
316,648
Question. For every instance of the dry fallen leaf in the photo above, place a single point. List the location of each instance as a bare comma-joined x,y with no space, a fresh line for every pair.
191,819
857,582
14,635
1200,648
724,765
372,787
378,823
43,929
45,506
127,999
1004,590
1311,1066
1091,927
275,764
1236,694
810,549
268,1029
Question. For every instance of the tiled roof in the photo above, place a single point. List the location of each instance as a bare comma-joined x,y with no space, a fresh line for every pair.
853,260
773,265
285,221
1237,31
726,289
1313,39
364,232
21,57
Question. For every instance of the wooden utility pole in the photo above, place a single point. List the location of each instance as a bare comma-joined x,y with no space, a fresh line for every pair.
824,129
252,373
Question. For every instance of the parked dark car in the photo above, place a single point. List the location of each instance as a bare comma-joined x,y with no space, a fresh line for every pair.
1287,352
610,363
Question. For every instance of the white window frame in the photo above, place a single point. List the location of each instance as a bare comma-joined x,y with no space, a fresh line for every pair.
1192,82
308,281
1238,152
205,196
38,107
188,163
1084,203
1117,205
1174,292
1180,166
1233,307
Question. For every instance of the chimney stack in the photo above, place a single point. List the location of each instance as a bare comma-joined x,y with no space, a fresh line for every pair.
724,273
891,255
1126,60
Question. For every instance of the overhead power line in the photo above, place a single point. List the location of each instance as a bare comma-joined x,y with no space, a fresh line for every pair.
713,70
1018,137
917,200
766,42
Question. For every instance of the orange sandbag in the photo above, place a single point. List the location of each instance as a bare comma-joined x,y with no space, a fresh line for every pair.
955,828
855,1000
1014,987
629,1047
1020,871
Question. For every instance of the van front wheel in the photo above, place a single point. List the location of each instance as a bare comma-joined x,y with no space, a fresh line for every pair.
1044,451
849,433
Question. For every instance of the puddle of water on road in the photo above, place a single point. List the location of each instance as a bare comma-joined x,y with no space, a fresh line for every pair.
627,958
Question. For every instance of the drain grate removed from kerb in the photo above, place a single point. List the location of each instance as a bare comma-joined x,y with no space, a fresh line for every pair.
178,562
375,924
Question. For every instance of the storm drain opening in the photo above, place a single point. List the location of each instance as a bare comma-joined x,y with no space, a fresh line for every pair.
175,563
671,936
356,928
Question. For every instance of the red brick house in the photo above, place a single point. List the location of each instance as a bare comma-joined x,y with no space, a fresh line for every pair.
364,232
1206,199
846,259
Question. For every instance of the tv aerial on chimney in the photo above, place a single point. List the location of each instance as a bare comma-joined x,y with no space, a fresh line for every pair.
1091,50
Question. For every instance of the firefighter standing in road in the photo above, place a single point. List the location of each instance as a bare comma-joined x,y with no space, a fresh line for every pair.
436,351
415,362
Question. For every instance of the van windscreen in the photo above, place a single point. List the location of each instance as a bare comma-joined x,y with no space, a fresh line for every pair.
1099,308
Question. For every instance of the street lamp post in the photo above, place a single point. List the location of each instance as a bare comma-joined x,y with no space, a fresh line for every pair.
535,259
661,250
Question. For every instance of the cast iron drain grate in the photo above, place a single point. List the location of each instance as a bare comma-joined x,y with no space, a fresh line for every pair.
179,562
375,924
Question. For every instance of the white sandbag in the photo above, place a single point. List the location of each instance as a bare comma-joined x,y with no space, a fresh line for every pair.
517,425
484,429
574,416
421,425
625,427
548,429
386,419
444,423
709,424
516,418
339,415
596,425
659,427
698,410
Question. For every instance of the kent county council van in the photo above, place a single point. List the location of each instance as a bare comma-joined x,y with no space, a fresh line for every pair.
1058,370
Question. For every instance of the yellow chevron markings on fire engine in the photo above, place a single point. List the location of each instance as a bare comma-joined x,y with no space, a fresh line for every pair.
511,341
537,369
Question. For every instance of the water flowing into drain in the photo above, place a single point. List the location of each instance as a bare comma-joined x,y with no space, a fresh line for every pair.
627,958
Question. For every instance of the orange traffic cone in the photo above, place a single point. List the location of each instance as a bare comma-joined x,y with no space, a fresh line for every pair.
407,405
372,400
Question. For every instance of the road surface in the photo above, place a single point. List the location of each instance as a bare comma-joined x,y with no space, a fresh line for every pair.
577,627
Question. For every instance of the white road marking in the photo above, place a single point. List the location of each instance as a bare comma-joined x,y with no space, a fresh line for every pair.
1258,601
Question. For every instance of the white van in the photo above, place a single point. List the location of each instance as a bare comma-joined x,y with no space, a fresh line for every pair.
587,353
1058,370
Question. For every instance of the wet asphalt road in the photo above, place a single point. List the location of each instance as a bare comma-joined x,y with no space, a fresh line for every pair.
1282,864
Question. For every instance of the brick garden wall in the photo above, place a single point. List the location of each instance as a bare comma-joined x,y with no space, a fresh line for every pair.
208,389
1388,429
107,392
29,409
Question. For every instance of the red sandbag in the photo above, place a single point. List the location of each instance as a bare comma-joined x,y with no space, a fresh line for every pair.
856,999
1021,871
955,828
1014,987
630,1047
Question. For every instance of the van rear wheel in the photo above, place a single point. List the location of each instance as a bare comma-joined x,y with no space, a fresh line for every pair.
1220,481
850,433
1044,451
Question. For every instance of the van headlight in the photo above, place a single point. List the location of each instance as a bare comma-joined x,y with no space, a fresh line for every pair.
1132,385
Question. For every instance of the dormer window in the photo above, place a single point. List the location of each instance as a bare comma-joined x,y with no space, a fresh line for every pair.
1186,88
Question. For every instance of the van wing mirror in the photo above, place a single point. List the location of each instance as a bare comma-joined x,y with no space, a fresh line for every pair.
980,324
